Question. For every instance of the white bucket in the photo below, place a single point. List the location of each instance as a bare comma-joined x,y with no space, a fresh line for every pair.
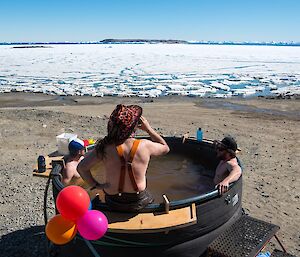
63,141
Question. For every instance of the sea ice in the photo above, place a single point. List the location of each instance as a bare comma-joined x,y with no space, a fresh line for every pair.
151,70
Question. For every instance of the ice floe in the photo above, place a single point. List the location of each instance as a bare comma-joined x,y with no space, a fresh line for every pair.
151,70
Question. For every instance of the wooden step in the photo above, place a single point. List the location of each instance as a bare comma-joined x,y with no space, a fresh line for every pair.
151,222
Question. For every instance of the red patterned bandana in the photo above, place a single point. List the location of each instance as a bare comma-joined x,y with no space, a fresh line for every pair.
122,122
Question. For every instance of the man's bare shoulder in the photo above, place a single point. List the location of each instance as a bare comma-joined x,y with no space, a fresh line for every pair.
70,166
232,163
69,163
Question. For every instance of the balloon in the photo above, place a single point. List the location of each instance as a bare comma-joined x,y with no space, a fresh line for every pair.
90,206
92,225
91,141
60,230
86,142
72,202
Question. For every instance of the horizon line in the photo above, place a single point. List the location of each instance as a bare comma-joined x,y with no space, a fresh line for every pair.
156,41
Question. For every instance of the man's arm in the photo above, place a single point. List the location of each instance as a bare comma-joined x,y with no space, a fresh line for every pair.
84,169
234,174
158,146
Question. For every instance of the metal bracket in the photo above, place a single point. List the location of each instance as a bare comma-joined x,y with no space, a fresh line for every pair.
228,199
167,203
185,136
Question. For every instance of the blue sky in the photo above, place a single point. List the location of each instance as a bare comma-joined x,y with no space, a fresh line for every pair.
86,20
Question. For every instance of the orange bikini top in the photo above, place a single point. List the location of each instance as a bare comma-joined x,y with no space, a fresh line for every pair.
128,163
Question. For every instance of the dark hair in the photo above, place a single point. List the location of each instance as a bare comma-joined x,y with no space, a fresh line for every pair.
232,153
73,153
100,146
111,138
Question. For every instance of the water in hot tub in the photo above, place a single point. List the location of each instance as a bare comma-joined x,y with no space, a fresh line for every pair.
177,176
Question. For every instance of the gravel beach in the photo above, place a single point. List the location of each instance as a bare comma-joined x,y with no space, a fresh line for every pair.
267,131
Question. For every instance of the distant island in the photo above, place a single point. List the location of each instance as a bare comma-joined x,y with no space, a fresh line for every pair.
159,41
143,41
31,46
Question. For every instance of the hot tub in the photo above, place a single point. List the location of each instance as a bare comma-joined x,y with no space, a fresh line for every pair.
213,214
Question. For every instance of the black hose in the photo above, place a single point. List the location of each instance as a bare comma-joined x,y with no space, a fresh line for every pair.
54,172
45,214
45,200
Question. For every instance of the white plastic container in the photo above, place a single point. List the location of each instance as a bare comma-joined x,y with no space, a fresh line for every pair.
63,141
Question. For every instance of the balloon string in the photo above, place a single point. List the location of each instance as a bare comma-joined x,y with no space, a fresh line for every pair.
90,246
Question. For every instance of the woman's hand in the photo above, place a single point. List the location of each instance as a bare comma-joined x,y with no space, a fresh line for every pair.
144,124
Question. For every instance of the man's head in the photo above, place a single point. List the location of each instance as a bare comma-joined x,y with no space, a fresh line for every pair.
76,147
226,148
123,122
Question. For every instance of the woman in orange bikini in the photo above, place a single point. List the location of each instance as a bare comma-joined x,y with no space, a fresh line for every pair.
125,159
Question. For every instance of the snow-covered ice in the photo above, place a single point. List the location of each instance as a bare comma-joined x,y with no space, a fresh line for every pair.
151,70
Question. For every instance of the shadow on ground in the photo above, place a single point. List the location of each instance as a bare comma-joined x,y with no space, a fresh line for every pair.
27,242
31,242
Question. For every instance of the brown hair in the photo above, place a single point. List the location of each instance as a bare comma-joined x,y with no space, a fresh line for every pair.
102,143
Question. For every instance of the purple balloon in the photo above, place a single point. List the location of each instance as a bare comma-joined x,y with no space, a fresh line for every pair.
92,225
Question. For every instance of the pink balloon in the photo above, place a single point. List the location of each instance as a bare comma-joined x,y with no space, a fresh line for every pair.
92,225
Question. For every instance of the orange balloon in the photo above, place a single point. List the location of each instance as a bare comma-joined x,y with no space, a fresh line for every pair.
60,230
